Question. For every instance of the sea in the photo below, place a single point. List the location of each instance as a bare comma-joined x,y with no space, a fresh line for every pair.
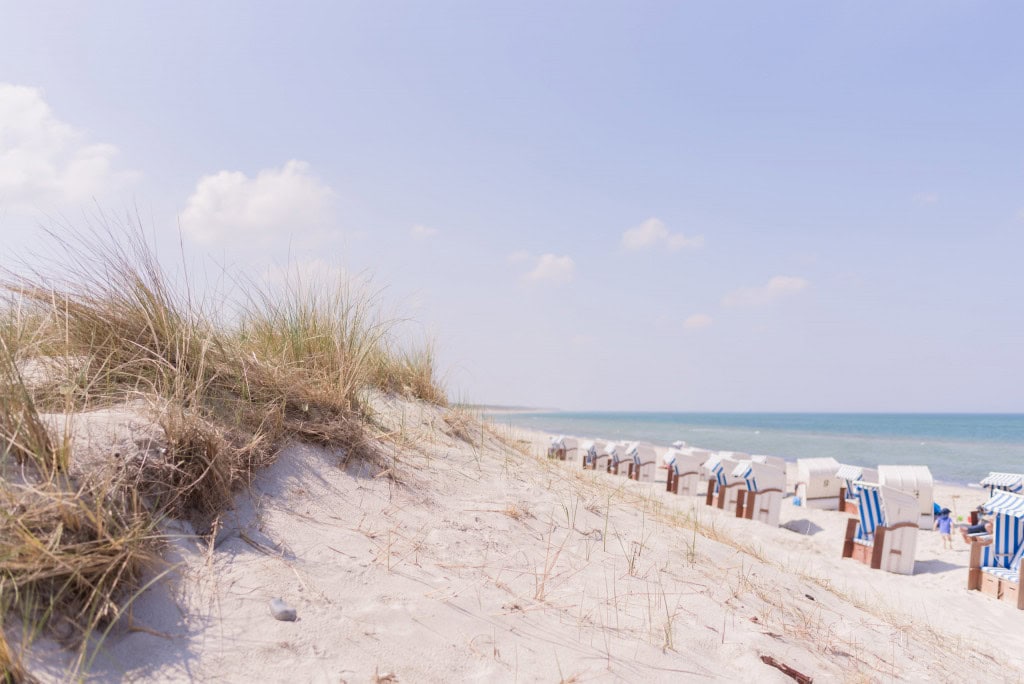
958,448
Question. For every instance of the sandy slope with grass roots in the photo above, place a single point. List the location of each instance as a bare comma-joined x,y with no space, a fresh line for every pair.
466,555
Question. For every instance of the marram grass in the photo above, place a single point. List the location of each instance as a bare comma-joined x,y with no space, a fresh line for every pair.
228,386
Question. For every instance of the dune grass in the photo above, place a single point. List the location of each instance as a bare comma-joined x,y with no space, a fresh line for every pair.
105,324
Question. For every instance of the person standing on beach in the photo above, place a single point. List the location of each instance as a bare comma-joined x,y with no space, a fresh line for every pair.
944,524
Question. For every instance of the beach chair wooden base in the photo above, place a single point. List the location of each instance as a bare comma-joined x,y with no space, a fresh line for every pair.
848,543
1011,593
991,585
725,493
862,553
558,454
637,469
758,505
710,498
741,500
672,481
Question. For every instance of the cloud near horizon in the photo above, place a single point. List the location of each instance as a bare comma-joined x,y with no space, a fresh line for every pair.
44,160
776,288
551,269
229,207
653,232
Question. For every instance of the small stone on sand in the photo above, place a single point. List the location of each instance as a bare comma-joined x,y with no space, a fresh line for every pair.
282,611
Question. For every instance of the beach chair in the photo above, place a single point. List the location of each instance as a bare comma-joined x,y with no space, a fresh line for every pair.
679,444
644,462
816,483
684,470
995,568
588,452
723,488
618,462
850,476
765,484
598,455
916,480
884,533
773,461
1007,482
562,447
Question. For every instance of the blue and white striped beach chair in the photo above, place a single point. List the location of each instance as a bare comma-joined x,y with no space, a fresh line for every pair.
618,461
995,568
884,533
684,469
763,499
644,462
1007,482
589,450
719,468
851,475
561,447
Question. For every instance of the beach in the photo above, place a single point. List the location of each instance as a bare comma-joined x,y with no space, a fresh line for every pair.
486,561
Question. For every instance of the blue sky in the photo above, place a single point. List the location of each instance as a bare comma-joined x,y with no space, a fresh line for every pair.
789,206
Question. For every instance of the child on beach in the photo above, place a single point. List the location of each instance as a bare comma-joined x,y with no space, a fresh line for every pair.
944,524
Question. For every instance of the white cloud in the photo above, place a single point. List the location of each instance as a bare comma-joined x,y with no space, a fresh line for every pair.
697,321
231,207
421,232
776,288
926,197
45,160
552,269
654,232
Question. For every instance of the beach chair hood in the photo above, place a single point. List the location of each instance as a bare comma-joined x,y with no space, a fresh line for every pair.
1011,482
760,476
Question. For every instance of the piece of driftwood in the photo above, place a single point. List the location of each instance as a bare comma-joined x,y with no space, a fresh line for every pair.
800,677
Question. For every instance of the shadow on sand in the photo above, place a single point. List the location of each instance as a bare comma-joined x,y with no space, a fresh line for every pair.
805,527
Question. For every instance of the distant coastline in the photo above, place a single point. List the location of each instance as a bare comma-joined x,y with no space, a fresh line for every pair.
488,409
960,449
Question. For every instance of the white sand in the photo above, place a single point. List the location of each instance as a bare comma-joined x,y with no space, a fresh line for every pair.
490,565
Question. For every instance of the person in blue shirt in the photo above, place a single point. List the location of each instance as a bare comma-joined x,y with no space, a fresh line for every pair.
944,524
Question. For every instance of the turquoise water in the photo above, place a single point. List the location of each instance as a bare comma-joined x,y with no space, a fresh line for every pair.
959,448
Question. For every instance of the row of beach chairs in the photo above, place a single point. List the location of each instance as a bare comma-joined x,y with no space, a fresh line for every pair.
888,505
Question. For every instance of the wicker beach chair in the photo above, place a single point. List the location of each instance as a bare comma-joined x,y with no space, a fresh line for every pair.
995,568
618,462
723,488
684,470
884,533
851,476
762,499
562,447
644,462
597,455
916,480
816,483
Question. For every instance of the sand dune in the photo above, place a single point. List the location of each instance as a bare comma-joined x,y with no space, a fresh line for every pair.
487,562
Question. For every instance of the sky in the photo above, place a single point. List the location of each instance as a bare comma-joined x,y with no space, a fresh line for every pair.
665,206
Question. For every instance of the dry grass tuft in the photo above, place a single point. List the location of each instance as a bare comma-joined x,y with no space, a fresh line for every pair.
229,386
